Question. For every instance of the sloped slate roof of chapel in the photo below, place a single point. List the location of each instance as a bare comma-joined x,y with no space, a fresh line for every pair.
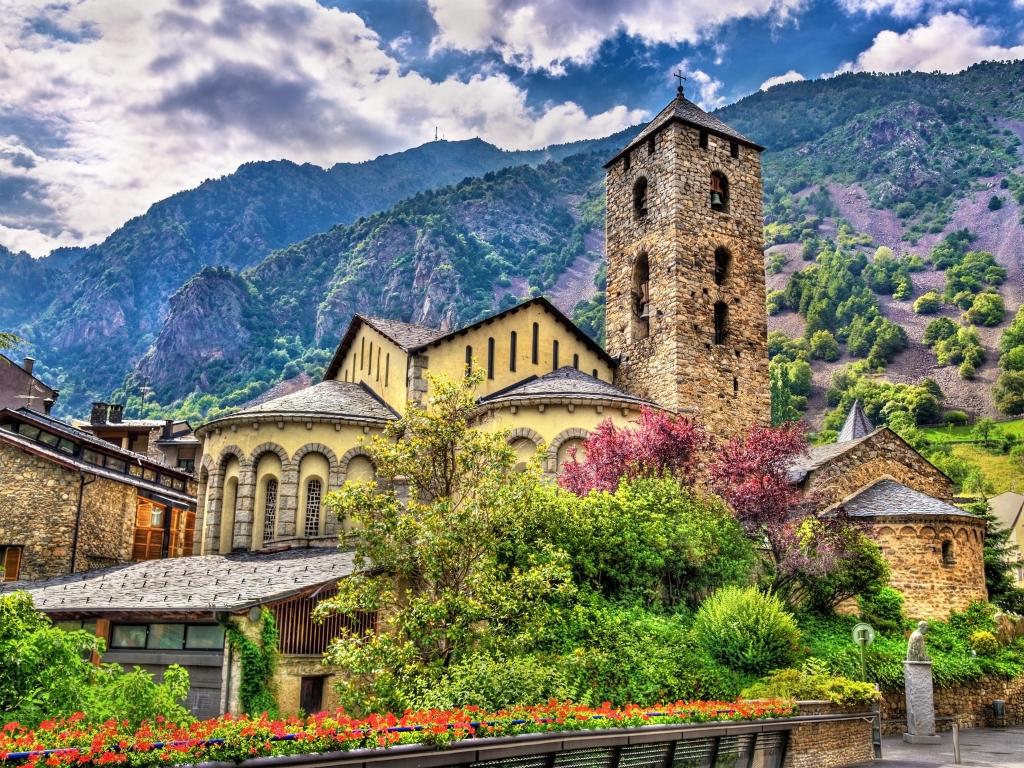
886,498
566,382
416,338
682,110
197,584
327,398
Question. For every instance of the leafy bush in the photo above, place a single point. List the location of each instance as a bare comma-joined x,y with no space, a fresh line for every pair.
883,609
1009,392
938,329
928,303
746,629
983,642
799,685
987,309
995,203
823,346
956,418
862,570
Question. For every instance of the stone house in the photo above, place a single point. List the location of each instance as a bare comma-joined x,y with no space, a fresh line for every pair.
71,502
165,440
156,613
20,388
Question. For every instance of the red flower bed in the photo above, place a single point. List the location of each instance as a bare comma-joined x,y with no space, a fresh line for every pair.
70,743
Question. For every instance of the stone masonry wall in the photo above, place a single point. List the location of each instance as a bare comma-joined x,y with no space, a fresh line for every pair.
38,500
829,744
931,586
108,524
678,365
288,679
970,703
881,454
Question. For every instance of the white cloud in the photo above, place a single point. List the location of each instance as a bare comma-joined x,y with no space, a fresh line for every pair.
792,76
107,106
949,42
897,8
549,34
709,89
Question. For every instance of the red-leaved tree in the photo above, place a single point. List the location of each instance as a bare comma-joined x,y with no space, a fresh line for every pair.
659,443
751,471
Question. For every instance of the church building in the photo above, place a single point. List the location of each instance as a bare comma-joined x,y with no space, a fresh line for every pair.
687,333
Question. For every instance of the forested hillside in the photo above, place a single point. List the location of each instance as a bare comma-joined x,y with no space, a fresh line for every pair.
192,299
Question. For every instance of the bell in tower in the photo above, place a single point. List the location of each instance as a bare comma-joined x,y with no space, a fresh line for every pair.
685,311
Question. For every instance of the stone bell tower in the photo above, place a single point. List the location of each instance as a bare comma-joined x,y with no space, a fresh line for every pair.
686,294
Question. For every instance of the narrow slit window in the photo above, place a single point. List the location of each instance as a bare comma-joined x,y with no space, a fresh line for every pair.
469,359
490,358
735,385
576,362
594,374
948,557
313,494
369,362
722,261
650,145
535,351
734,148
362,352
719,192
703,139
640,197
626,162
378,363
512,351
387,368
554,355
721,322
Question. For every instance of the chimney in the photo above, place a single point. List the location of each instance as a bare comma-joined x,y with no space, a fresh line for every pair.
48,405
168,432
28,365
116,412
98,415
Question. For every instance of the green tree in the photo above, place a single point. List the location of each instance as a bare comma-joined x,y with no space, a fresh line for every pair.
928,303
938,329
995,203
987,309
824,346
433,561
983,430
1009,392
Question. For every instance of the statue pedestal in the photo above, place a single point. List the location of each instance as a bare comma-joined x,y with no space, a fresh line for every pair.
917,678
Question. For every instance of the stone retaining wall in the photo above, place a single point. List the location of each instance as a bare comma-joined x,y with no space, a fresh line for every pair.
829,743
970,703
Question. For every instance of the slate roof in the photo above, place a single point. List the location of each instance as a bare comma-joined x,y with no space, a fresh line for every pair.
406,335
887,497
327,398
683,110
567,382
199,584
821,454
856,426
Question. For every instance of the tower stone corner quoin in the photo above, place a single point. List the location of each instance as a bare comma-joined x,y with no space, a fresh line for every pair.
685,307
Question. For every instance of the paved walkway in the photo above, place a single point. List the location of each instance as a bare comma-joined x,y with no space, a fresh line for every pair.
992,747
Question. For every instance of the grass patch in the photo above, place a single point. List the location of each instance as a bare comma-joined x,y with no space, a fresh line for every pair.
999,469
961,434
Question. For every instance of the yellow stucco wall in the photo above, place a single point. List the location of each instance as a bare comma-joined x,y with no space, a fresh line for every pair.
385,374
449,357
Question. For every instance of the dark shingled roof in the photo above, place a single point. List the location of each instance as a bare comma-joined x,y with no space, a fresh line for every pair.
567,382
820,454
329,398
857,425
683,110
190,584
887,497
406,335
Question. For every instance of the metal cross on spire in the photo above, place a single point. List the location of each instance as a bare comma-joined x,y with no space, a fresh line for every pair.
682,78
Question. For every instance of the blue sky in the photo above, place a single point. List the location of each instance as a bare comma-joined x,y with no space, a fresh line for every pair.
107,106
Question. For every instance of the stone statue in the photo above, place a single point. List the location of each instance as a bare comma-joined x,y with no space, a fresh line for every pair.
915,648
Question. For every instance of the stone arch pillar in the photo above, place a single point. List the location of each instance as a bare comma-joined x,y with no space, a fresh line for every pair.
214,508
287,499
573,433
241,538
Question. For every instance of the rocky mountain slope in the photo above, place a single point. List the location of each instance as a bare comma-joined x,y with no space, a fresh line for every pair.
192,299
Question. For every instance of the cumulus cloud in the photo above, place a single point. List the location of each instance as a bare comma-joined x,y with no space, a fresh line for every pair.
897,8
948,42
549,34
792,76
708,89
108,106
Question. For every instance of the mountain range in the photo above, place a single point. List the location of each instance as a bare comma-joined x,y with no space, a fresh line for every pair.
223,291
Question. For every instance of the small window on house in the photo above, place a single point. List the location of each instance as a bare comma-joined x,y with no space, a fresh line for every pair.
129,636
576,362
703,139
469,359
490,358
512,351
640,197
535,351
650,144
719,192
369,362
735,385
722,260
118,465
641,297
202,637
554,355
362,352
10,559
270,511
387,368
626,164
948,558
721,321
166,637
378,363
594,374
734,148
313,493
